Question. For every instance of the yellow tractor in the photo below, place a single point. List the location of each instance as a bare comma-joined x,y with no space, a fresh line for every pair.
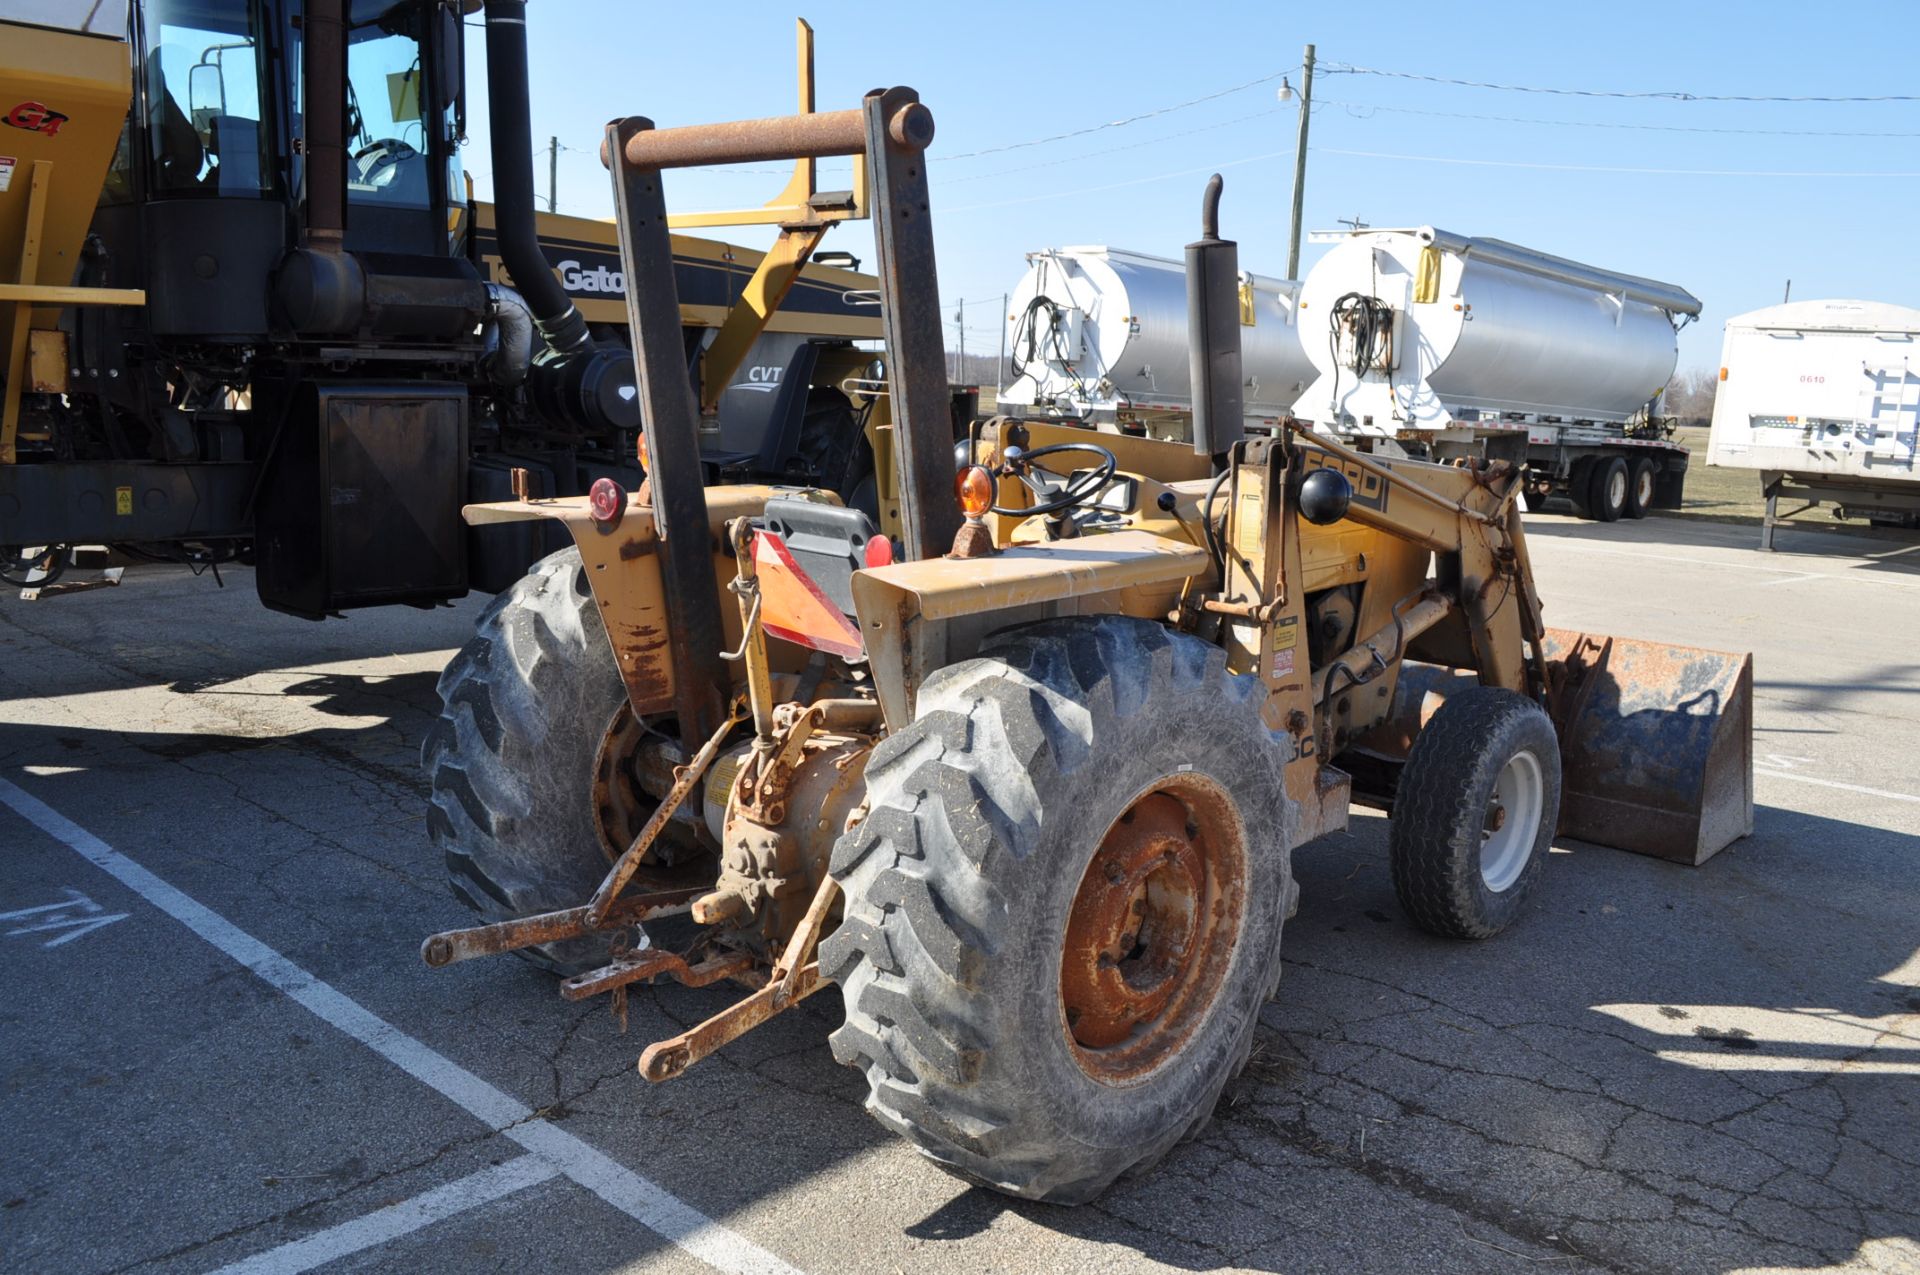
1020,764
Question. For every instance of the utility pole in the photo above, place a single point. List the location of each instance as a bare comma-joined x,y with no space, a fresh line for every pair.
553,174
960,317
1000,368
1300,166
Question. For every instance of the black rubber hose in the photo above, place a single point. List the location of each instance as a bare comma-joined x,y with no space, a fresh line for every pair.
511,128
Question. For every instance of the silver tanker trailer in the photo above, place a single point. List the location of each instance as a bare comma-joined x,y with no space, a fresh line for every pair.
1099,335
1442,345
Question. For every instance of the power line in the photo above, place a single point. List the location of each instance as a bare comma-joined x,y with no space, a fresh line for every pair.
1603,168
1662,128
1345,68
1120,123
1431,159
1111,150
1137,181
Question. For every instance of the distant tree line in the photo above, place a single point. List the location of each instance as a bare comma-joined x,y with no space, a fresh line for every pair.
1689,396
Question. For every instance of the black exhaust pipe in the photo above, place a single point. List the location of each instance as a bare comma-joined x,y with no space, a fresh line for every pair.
1213,332
324,32
573,381
511,128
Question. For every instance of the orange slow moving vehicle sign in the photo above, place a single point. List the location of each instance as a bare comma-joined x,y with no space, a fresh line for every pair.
793,608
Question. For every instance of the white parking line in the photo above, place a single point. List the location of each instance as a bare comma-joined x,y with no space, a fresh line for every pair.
395,1220
1835,783
645,1201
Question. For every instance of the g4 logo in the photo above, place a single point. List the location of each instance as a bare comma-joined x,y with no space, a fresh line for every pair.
35,117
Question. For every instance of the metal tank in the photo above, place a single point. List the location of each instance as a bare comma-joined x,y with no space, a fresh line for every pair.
1101,334
1421,329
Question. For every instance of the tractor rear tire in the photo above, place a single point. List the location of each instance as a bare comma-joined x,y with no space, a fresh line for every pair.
1462,870
834,447
1077,773
1607,487
525,706
1641,486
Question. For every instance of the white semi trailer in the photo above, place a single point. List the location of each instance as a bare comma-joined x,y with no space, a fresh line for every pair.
1823,399
1099,335
1443,345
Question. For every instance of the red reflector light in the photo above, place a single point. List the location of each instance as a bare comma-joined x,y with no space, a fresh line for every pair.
879,552
606,500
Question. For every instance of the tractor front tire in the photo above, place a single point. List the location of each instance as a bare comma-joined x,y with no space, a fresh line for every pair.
1063,911
1475,813
525,706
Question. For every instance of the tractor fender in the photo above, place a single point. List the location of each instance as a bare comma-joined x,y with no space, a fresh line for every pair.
623,570
916,617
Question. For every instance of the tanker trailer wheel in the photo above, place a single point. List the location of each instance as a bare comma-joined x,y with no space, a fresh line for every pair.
1478,802
533,723
1640,484
1607,488
1579,478
1063,912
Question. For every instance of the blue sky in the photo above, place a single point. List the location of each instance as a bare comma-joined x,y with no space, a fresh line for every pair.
1562,173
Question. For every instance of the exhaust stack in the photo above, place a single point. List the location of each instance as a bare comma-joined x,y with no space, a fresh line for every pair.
1213,331
572,380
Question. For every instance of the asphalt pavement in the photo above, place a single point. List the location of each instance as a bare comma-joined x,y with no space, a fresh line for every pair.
221,1049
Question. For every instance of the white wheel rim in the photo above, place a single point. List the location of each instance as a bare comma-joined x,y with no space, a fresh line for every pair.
1513,821
1616,489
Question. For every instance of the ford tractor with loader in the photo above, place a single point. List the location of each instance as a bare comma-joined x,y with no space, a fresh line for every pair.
250,310
1019,765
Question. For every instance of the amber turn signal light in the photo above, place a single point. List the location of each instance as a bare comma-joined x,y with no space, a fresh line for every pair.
974,487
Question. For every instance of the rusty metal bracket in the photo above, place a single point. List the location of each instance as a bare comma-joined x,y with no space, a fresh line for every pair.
684,779
650,963
800,947
550,927
665,1059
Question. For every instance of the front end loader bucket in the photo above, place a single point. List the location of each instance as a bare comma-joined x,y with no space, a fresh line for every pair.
1656,744
1656,741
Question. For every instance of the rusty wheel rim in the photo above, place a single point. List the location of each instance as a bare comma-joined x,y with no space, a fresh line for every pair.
621,805
1152,931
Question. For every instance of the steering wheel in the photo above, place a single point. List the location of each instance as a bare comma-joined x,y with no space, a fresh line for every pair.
387,152
1019,462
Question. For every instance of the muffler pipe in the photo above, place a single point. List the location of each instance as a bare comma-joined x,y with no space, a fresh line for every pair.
1213,332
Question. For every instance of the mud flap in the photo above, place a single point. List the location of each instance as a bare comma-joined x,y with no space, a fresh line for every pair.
1656,741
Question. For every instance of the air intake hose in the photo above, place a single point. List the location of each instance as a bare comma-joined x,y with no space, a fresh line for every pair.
511,128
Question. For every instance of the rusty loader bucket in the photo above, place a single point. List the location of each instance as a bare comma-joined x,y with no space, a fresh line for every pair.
1656,744
1656,741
